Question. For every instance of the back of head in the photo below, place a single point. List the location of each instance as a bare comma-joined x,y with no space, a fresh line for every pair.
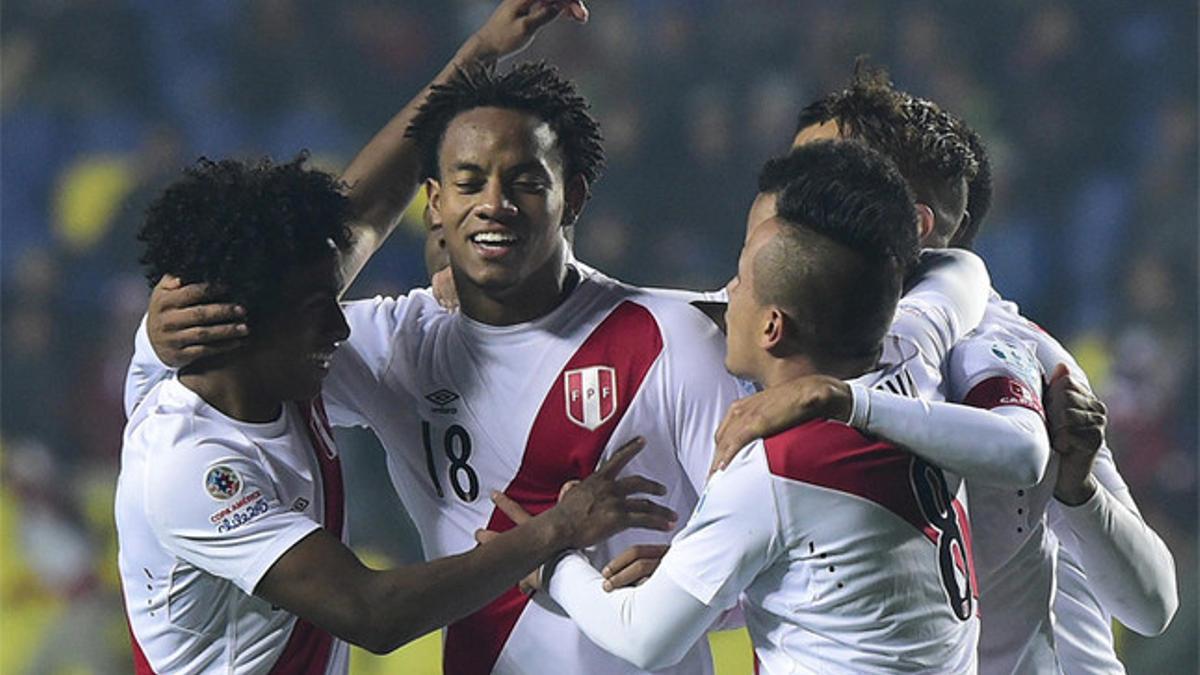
837,266
536,88
241,228
928,144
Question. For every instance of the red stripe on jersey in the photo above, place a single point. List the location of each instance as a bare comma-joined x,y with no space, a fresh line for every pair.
308,648
840,458
141,665
558,450
1001,390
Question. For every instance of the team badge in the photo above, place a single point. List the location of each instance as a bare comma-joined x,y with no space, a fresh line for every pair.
222,483
591,395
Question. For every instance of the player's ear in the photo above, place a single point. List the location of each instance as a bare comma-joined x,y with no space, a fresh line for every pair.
925,220
575,195
433,191
772,328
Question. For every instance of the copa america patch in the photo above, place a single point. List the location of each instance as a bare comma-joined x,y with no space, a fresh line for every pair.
222,483
1018,357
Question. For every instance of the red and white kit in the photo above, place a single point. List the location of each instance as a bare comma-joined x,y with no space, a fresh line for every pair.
465,408
205,506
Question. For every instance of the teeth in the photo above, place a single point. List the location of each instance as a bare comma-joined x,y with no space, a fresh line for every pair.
494,238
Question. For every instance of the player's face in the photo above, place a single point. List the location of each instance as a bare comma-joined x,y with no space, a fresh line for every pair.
500,199
745,316
294,345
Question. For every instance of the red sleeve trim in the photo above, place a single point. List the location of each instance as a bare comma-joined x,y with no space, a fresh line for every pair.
1001,390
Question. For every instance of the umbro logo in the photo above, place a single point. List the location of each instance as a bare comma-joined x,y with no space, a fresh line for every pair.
441,399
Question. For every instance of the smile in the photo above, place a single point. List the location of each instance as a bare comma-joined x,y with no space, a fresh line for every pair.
493,245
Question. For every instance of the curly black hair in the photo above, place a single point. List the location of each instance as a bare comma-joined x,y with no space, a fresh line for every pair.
849,240
536,88
929,145
240,227
979,193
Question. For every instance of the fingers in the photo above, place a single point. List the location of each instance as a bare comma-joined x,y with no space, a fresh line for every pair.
638,484
207,335
483,536
191,353
633,574
631,555
567,486
541,14
1060,371
651,515
510,508
621,457
576,10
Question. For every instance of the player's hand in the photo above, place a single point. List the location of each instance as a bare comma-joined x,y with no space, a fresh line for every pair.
633,566
513,25
778,408
601,505
1076,419
444,291
184,323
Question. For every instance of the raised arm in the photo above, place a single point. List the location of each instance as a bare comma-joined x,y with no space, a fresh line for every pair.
385,175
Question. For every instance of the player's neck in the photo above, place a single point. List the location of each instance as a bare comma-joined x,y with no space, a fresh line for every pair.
780,370
535,297
234,392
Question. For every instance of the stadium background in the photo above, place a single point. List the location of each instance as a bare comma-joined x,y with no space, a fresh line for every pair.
1089,110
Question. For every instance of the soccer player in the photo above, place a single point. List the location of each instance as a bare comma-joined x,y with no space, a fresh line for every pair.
1011,357
845,548
545,366
230,508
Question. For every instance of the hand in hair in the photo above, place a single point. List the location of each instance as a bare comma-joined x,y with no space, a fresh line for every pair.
513,25
184,324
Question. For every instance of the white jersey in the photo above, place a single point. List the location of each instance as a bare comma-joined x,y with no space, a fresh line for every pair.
464,408
853,555
1084,601
205,506
1014,552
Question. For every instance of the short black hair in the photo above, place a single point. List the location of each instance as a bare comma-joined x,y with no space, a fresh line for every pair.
979,192
536,88
928,144
241,227
849,239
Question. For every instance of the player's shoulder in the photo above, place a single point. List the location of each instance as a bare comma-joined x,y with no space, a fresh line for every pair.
179,432
835,455
417,304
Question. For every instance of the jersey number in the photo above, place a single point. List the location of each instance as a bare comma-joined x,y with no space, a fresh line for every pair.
456,443
929,484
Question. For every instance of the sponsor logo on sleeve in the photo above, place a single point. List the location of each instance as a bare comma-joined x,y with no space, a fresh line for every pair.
240,512
1017,357
222,483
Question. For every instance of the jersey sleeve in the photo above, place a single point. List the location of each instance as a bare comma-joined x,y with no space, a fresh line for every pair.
212,505
731,537
385,336
145,370
701,391
993,368
1128,566
946,302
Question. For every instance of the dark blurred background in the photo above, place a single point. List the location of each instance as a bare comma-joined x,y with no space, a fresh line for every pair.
1089,110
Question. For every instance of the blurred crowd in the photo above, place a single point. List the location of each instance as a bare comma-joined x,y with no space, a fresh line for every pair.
1089,110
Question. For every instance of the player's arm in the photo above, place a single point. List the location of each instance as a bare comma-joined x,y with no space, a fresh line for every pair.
385,175
1128,566
945,302
726,543
185,324
322,580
